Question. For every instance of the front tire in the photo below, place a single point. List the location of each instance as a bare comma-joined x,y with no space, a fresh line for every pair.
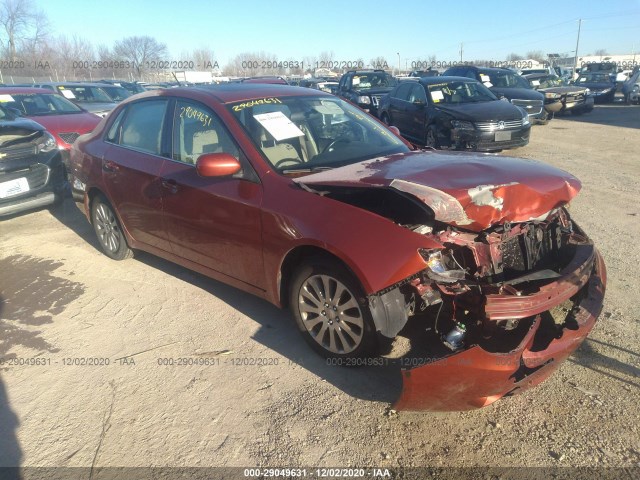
385,119
331,311
108,230
431,139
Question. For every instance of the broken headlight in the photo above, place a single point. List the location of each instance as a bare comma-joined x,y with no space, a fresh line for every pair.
441,267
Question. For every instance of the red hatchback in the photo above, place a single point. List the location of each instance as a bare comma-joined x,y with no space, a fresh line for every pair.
62,118
299,197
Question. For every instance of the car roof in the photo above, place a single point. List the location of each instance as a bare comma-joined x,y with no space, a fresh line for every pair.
444,79
235,92
75,84
534,76
32,90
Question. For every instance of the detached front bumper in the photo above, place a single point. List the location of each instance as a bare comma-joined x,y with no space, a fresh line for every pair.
476,377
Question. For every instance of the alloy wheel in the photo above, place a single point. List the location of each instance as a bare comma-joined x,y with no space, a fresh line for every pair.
330,313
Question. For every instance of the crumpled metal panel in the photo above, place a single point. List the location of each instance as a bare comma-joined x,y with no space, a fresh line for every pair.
476,378
470,190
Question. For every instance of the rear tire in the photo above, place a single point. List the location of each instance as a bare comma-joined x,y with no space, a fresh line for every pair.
108,230
331,311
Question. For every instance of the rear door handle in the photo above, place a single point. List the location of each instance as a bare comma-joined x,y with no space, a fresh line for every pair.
169,184
110,166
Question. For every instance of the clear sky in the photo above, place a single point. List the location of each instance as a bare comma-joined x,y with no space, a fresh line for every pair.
357,29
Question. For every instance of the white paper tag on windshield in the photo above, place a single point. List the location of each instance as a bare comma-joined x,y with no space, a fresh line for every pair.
583,79
68,94
355,81
535,83
485,78
437,95
488,84
6,98
278,125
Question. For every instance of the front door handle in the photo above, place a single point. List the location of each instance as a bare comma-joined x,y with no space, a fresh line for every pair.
169,184
110,166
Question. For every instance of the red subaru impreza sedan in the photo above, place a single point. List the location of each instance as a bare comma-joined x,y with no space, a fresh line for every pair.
299,197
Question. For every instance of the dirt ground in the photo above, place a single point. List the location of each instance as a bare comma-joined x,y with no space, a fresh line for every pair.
257,395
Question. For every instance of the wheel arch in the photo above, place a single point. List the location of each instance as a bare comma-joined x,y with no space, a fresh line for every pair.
297,256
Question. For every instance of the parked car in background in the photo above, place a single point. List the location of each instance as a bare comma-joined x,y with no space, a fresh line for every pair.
601,85
508,84
131,87
454,112
560,96
631,88
430,72
328,86
31,167
607,68
90,96
65,120
116,92
239,181
365,88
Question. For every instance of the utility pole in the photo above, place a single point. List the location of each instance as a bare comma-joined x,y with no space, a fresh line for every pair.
461,45
575,64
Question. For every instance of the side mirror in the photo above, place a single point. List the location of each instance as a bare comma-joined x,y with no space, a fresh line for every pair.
500,96
16,111
217,165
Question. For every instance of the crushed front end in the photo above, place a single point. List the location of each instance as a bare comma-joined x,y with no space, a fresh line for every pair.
508,305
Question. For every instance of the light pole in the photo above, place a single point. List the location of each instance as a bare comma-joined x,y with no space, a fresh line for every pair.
398,53
575,63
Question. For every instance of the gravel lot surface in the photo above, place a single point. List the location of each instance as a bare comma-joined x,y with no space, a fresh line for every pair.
257,395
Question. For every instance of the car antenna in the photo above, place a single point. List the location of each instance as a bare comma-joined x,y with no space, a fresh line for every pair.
176,77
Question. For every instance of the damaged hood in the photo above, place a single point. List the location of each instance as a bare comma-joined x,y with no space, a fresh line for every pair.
472,191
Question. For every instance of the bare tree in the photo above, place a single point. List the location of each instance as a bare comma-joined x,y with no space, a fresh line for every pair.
139,51
537,55
204,59
512,57
379,62
21,21
601,52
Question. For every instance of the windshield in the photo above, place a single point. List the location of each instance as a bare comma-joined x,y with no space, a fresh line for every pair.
458,92
303,134
503,79
373,80
548,82
38,104
85,94
593,78
116,93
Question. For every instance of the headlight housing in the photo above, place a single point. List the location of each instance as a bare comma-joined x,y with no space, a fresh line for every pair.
437,268
462,125
47,143
525,121
364,99
553,96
